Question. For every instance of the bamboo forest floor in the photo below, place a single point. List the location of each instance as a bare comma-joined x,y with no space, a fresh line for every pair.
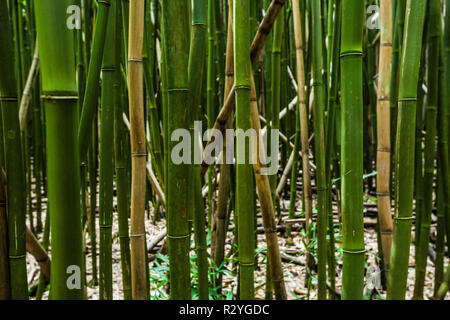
292,250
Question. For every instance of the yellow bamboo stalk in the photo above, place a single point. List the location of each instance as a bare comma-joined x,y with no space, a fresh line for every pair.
138,150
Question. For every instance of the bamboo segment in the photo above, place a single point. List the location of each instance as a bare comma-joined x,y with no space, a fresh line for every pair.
59,87
123,210
434,36
304,130
244,182
404,154
176,55
138,150
197,62
5,289
91,93
266,202
319,141
384,132
352,150
106,159
257,45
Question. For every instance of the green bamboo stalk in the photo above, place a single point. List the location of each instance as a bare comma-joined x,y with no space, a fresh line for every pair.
56,43
444,124
176,47
434,37
106,158
5,288
210,92
16,197
319,141
352,149
123,209
91,93
404,155
196,66
278,31
244,179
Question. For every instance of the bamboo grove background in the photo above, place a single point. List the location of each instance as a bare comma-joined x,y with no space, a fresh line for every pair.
358,90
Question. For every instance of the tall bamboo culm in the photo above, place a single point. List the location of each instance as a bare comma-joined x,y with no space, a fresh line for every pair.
176,47
59,89
434,32
405,147
244,179
16,196
352,149
319,144
138,150
384,132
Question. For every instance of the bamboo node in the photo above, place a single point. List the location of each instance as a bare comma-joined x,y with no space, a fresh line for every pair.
387,150
407,99
138,155
51,97
252,264
383,194
354,251
404,218
137,235
105,3
178,237
178,90
106,226
18,257
351,53
3,204
8,99
137,60
268,231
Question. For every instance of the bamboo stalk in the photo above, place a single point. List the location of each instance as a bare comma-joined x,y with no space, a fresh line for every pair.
91,93
404,155
384,133
319,141
27,92
304,130
16,183
106,158
434,36
138,150
244,181
123,209
176,48
59,88
197,62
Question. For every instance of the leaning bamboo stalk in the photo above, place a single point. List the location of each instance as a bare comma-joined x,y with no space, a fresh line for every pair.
384,133
257,45
91,93
266,203
28,90
404,155
304,130
138,150
224,182
39,253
